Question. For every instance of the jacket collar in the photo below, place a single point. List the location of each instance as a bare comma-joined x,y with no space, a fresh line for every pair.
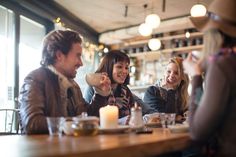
64,81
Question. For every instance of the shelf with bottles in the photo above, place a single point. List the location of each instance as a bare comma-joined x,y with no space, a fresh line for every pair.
170,44
182,36
156,54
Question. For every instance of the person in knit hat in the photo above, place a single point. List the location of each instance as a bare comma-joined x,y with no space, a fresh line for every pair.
212,111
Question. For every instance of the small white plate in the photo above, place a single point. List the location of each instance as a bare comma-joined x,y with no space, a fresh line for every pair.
179,128
119,129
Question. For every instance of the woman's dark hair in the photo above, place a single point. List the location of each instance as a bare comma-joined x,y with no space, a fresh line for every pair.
108,62
58,40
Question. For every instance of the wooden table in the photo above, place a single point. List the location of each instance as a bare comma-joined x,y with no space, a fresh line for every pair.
115,145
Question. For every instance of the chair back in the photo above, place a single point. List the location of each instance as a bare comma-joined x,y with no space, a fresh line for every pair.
10,119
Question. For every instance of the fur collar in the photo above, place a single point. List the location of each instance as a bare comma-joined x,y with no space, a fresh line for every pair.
64,81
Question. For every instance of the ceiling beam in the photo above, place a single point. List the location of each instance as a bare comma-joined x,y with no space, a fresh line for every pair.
120,35
51,10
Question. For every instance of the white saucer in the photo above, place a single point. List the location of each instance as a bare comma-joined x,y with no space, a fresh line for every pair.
119,129
153,125
179,128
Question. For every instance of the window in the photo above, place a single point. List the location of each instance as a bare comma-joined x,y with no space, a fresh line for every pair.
17,59
31,36
6,58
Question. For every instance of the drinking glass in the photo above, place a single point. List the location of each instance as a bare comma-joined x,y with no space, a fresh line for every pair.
163,120
170,119
55,125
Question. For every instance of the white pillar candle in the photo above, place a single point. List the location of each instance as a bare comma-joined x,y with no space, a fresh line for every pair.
108,117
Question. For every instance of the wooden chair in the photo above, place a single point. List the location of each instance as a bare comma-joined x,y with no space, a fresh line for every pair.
11,121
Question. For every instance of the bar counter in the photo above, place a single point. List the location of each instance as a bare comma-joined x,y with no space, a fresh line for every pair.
104,145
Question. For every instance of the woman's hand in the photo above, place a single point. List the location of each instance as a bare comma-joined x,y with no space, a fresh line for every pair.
179,118
192,67
105,85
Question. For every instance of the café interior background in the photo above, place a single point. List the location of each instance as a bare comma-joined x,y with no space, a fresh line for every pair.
104,25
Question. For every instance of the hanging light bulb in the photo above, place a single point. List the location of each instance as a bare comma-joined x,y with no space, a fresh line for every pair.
145,30
198,10
187,34
105,50
154,44
153,20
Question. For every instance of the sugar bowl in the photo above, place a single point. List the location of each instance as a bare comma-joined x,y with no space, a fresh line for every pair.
85,126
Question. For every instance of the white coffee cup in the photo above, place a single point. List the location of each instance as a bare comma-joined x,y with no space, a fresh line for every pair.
94,79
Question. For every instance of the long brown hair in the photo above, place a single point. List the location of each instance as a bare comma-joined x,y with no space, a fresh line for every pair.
183,86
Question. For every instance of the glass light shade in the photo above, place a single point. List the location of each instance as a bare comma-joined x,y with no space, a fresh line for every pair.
153,20
198,10
154,44
145,30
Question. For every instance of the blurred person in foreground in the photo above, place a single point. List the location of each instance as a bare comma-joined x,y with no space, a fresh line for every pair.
212,111
50,90
171,95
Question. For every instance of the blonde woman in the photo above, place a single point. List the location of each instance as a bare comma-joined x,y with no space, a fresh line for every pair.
171,95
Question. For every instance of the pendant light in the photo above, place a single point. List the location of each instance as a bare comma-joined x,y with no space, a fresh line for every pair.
154,44
145,30
187,34
153,20
198,10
